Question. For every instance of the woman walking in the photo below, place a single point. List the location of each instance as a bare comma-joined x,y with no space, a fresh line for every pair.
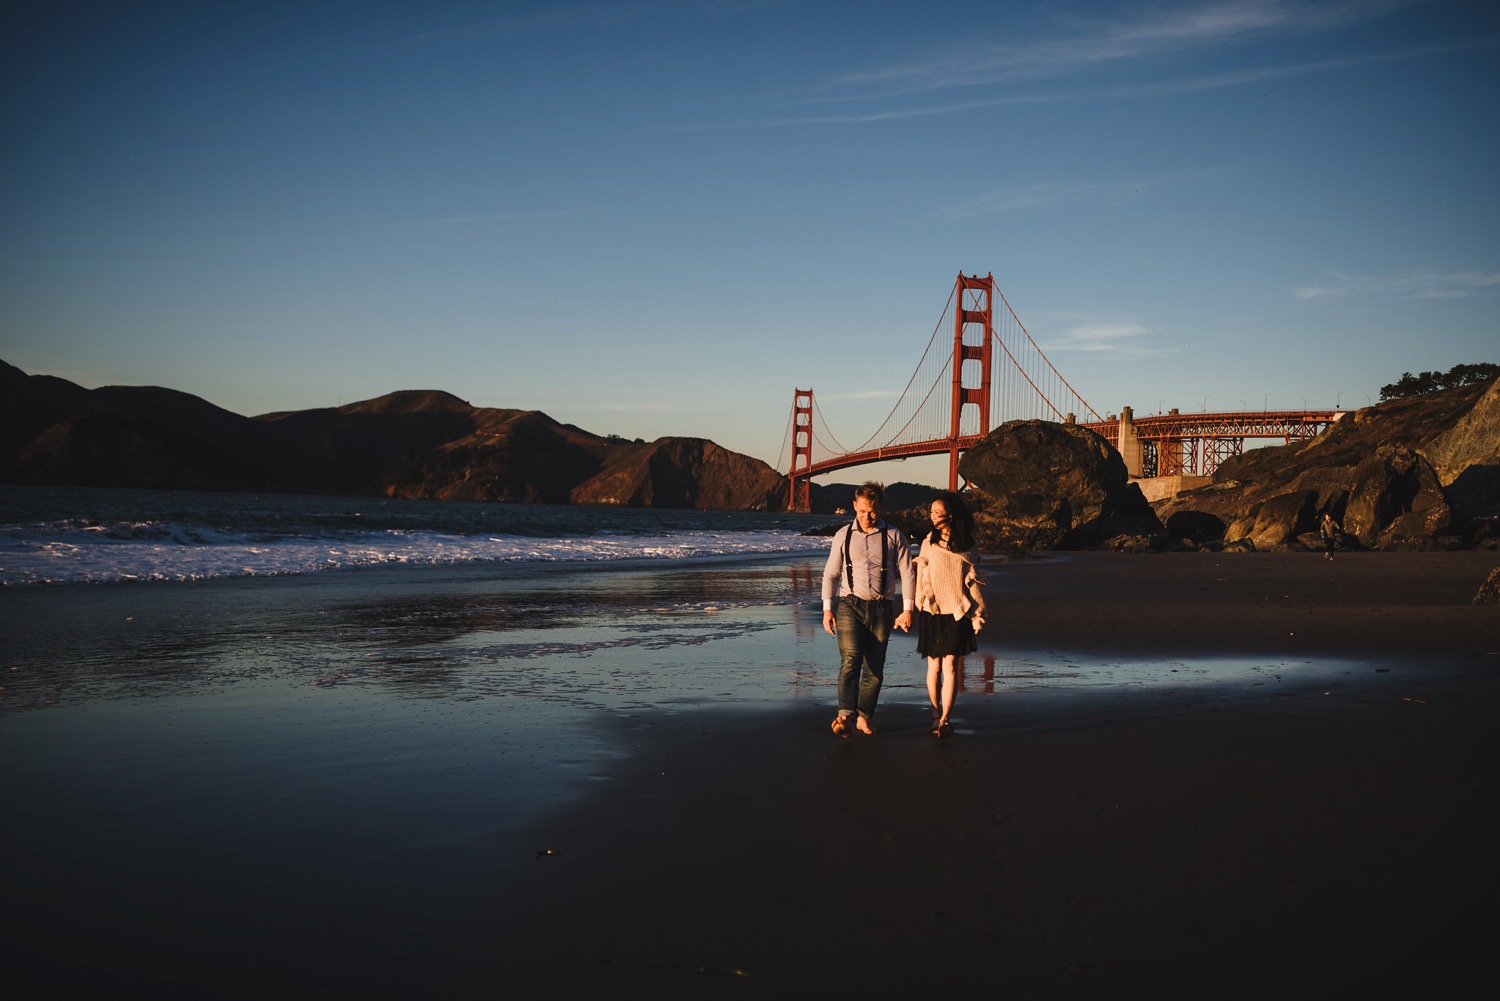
950,602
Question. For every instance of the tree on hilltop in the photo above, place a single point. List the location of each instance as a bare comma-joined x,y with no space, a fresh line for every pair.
1431,382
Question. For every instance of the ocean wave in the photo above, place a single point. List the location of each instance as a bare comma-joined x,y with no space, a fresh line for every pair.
74,552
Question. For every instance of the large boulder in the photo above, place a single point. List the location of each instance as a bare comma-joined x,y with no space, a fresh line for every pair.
1278,520
1466,460
1042,485
1473,439
1395,499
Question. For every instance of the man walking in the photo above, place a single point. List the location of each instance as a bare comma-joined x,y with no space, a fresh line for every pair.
864,562
1330,531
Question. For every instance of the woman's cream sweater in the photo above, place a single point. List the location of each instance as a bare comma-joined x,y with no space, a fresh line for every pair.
949,583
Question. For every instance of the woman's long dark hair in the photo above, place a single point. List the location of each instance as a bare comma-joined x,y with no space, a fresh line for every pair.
960,524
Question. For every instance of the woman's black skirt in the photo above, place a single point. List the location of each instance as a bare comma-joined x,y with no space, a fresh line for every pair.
943,635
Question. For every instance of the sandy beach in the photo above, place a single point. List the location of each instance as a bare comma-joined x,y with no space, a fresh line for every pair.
1188,775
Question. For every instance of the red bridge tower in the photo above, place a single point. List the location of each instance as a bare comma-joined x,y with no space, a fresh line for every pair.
973,331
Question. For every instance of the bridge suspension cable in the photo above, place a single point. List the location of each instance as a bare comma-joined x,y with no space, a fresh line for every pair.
831,446
910,406
1055,392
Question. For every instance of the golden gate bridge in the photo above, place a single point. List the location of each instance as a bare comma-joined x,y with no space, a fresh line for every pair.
980,369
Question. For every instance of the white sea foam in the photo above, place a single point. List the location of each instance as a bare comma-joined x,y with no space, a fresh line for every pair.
66,554
63,535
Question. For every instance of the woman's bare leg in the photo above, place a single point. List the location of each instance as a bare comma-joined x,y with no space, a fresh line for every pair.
934,693
949,686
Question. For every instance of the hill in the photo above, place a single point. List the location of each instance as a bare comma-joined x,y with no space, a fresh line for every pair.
418,444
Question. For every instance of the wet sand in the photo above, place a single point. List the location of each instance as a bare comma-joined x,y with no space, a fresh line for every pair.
1332,830
1322,821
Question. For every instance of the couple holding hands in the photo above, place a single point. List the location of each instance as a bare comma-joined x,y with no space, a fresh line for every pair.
942,585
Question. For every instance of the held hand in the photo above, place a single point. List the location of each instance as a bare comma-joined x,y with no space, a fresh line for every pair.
978,625
903,621
828,624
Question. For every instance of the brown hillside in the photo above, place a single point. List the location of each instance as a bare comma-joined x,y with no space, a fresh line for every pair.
685,472
414,444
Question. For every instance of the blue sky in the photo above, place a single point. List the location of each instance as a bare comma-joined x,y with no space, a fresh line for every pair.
660,218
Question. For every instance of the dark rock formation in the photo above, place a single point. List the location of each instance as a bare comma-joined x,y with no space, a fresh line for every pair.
1489,591
416,444
1416,473
1042,485
1195,528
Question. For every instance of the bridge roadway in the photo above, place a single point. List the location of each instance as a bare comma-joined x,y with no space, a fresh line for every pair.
1175,443
1167,444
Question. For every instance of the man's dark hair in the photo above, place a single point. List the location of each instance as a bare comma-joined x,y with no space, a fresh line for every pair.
872,492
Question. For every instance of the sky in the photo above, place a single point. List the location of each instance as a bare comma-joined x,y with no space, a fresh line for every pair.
662,217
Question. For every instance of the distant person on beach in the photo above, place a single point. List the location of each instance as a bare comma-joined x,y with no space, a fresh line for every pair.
864,562
950,602
1330,531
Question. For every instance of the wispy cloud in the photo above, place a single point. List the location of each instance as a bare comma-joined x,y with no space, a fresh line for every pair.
597,14
1118,338
1043,196
617,407
488,217
1263,74
861,118
1097,42
868,394
1414,285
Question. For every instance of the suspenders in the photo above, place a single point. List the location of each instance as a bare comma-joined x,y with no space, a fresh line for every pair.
849,564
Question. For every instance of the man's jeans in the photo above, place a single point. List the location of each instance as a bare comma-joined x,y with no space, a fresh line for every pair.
864,629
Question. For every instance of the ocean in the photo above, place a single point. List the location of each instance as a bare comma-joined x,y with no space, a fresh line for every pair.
112,594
